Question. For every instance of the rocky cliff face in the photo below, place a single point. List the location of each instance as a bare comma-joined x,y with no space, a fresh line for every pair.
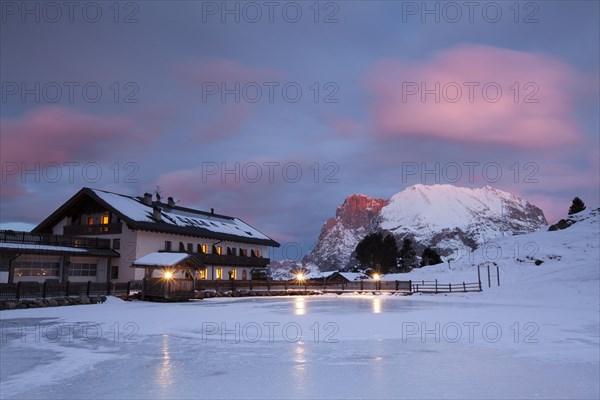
340,235
443,216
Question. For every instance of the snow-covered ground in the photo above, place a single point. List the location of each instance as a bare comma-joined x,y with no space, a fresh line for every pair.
536,336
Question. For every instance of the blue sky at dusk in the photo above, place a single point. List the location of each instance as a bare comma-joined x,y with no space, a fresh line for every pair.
276,113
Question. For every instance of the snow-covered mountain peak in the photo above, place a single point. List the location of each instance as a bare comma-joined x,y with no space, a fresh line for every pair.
441,215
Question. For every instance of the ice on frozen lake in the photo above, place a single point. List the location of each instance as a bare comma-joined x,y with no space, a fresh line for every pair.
336,347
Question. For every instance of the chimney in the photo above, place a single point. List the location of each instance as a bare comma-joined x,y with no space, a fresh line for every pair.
212,210
171,202
156,213
147,200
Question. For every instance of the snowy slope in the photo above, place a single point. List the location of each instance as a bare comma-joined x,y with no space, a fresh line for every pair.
567,268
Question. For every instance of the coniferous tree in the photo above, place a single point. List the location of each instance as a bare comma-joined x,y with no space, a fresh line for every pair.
407,255
377,252
577,206
430,257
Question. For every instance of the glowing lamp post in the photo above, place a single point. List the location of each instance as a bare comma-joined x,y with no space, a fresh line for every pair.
168,275
377,278
300,278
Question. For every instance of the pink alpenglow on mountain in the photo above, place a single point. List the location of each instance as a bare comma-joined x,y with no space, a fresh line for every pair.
447,217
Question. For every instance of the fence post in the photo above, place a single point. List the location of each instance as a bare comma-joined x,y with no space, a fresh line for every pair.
44,289
143,296
67,289
286,288
250,283
397,286
410,288
489,279
268,285
108,291
498,274
89,284
450,287
436,289
361,285
18,294
479,277
480,289
128,287
464,287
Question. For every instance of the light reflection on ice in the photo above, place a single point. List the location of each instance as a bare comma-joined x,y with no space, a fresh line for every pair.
376,305
299,306
164,372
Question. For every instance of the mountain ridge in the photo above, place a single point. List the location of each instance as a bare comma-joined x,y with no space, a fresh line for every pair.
444,216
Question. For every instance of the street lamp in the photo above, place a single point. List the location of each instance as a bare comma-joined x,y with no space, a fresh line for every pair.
168,275
377,278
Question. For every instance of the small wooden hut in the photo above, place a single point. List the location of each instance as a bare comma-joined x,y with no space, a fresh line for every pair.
169,276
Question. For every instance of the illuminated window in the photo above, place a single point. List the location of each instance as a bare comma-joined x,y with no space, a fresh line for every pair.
105,219
204,248
202,274
233,274
35,268
90,220
219,273
219,250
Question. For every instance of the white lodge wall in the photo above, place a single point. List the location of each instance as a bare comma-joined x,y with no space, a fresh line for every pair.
149,242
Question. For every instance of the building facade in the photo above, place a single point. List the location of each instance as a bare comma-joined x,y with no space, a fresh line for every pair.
131,227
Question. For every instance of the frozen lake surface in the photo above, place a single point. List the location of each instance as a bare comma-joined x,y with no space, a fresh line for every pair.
298,347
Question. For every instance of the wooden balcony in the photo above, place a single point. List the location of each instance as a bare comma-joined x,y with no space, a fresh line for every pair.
237,261
96,229
8,236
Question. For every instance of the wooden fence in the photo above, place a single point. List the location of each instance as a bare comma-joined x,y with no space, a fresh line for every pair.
49,289
436,287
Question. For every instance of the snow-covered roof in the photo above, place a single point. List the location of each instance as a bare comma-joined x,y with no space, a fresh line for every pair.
161,259
173,219
354,276
136,210
319,274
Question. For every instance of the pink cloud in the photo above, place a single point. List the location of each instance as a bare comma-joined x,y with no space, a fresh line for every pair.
483,117
60,135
